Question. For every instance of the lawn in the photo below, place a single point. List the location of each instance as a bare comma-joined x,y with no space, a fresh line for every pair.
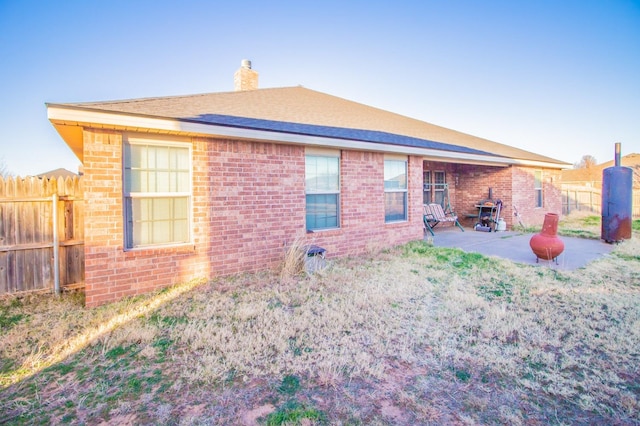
412,335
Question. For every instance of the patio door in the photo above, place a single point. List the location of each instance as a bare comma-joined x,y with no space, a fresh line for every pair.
434,187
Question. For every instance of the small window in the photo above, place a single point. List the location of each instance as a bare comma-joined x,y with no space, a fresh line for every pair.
538,187
157,193
322,188
395,190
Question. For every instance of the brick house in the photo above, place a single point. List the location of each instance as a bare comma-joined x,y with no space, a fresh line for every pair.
214,184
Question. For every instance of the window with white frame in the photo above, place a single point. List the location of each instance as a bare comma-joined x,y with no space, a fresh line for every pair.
157,193
322,189
538,187
395,190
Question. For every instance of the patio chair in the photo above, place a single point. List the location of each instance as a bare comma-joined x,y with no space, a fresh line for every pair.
434,214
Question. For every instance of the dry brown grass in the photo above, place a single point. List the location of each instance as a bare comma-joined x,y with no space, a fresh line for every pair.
414,335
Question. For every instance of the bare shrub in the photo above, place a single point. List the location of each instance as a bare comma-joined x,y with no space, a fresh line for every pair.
293,264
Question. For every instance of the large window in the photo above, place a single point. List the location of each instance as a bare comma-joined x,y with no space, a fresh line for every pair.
395,190
157,193
322,188
538,187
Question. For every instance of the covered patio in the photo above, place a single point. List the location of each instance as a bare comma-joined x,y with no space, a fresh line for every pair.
464,188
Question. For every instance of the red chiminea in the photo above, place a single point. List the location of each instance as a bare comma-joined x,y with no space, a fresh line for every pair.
546,245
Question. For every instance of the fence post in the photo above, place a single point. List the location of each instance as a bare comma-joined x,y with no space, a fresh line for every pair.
56,247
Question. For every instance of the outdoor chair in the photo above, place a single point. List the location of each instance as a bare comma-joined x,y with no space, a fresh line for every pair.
434,214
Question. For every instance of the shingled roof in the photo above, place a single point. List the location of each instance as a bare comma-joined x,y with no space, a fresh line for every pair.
298,110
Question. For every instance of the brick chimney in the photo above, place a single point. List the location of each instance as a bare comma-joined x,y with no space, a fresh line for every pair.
245,78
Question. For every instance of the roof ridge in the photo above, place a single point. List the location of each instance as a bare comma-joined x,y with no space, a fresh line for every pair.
192,95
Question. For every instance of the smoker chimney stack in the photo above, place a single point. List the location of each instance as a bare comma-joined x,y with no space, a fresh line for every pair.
245,78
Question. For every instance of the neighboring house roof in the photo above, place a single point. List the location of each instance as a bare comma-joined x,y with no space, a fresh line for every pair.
593,174
64,173
630,160
582,175
321,118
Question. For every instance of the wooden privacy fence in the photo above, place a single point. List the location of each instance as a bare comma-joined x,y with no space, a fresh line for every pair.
582,198
41,234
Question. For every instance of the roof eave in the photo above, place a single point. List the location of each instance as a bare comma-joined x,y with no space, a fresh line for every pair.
69,121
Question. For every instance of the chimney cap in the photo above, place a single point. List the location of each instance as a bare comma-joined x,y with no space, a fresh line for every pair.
245,63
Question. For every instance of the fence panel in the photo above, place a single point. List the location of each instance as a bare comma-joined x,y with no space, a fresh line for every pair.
582,198
27,233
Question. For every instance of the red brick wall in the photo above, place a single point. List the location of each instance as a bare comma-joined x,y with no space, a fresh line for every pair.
513,185
255,199
248,205
474,182
363,228
524,194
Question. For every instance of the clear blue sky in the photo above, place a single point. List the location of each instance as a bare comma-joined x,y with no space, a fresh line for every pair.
559,78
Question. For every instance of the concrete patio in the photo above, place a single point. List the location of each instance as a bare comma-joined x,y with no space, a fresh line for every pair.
578,252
